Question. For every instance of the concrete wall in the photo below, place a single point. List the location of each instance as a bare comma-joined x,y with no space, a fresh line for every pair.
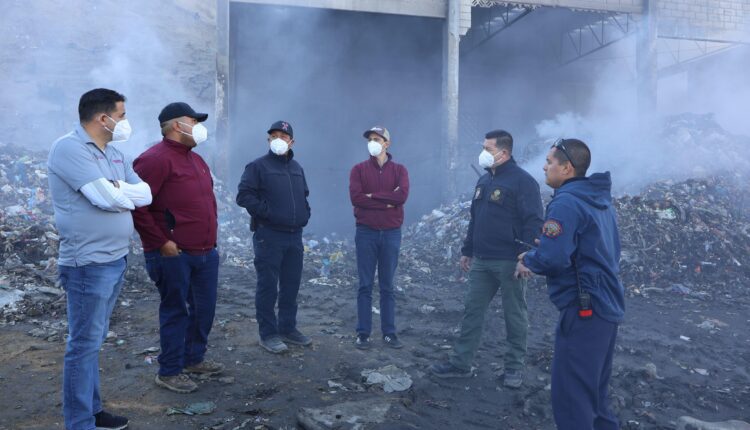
423,8
624,6
704,19
700,19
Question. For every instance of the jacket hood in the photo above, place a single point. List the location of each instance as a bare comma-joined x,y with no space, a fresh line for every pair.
596,190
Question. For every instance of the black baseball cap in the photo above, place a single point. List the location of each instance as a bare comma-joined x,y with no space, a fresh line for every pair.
282,126
180,109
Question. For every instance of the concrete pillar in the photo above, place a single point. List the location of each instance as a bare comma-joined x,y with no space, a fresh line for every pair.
646,62
451,39
222,168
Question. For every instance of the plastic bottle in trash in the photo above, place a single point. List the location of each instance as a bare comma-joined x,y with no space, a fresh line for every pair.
325,269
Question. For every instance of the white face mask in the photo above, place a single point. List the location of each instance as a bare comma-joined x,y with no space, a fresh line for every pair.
279,146
122,130
486,160
199,133
374,147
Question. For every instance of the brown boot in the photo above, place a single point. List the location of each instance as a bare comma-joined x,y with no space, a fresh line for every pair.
206,367
178,383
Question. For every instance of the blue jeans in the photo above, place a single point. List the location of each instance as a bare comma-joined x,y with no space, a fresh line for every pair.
581,368
376,248
187,287
278,263
92,292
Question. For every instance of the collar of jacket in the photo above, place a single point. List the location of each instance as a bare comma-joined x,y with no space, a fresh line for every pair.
573,179
374,160
503,167
566,182
177,146
284,158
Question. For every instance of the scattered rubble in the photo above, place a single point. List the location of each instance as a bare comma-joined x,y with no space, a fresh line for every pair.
349,415
200,408
391,377
689,423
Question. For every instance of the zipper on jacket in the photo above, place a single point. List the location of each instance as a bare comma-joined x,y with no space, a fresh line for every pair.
291,191
200,183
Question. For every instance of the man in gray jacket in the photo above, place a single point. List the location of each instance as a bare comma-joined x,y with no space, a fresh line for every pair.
93,189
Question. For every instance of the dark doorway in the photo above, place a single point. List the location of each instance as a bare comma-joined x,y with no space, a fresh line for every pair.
332,75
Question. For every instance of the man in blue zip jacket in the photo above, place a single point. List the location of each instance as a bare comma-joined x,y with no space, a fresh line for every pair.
579,253
274,191
506,208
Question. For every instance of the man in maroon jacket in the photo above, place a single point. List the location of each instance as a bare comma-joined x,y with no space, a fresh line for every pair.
178,231
378,188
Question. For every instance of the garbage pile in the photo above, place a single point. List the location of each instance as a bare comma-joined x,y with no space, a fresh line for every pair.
235,237
432,246
690,237
28,240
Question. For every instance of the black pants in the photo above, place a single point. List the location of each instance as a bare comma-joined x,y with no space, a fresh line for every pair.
278,263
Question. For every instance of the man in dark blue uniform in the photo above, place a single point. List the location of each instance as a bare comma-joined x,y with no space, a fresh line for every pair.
579,253
274,191
506,208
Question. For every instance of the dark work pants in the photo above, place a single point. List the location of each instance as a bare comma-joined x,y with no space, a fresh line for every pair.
581,369
278,263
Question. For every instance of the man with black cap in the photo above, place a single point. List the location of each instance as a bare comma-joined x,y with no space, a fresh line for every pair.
274,191
378,188
178,231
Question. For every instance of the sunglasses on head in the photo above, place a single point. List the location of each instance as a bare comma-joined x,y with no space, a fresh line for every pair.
560,144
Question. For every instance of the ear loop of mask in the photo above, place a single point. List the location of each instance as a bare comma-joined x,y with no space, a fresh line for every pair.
113,120
191,129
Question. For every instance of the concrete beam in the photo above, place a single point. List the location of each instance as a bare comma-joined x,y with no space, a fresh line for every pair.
222,89
647,63
619,6
451,39
423,8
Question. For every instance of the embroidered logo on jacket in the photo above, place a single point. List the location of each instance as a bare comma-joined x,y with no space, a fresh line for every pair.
552,228
496,195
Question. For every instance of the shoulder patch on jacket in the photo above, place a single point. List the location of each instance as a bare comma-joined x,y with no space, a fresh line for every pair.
552,228
478,193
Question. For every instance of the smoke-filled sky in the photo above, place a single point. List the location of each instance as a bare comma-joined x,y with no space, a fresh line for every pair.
55,50
333,74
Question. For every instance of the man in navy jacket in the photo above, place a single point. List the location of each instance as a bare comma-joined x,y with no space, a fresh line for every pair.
579,253
506,208
274,191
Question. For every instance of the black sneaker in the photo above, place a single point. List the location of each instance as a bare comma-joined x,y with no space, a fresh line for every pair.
392,341
447,370
106,421
362,342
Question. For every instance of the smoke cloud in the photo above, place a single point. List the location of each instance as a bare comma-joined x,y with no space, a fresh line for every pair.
333,74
